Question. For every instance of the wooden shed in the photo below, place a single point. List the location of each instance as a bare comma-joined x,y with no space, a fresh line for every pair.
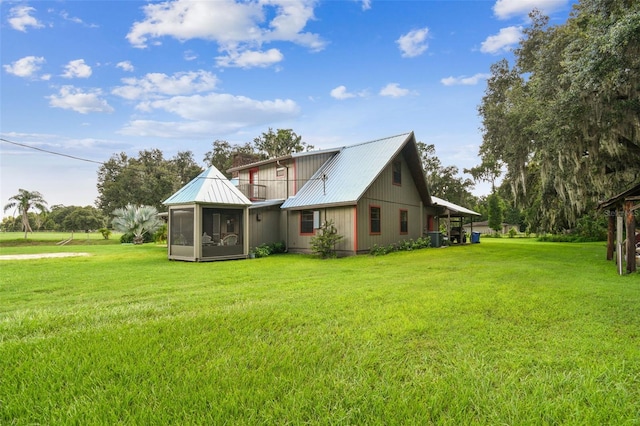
622,235
208,220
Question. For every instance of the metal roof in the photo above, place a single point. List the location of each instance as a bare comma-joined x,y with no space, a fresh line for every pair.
211,187
453,208
282,158
343,179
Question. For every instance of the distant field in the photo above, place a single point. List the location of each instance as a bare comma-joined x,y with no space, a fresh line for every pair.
508,331
46,238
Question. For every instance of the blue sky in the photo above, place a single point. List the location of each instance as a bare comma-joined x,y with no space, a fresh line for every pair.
93,78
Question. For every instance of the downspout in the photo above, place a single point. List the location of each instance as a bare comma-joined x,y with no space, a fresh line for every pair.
286,228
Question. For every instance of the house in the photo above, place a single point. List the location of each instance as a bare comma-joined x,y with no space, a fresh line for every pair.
483,227
207,220
375,193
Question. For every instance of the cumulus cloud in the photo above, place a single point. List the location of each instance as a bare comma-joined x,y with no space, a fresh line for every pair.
250,59
155,85
504,9
341,93
414,43
393,90
80,101
236,26
212,113
26,67
125,66
464,80
77,69
20,18
503,41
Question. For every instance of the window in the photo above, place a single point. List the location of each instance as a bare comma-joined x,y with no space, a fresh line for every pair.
374,219
306,222
397,172
404,221
280,172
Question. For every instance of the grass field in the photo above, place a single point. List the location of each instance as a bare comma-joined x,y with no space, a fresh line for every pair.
509,331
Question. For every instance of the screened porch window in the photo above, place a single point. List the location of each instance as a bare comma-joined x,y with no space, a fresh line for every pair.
182,227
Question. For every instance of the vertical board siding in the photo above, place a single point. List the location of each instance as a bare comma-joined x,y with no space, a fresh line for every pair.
268,230
391,199
342,219
306,166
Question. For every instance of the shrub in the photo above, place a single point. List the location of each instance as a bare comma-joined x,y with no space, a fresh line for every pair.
129,238
324,243
106,233
512,232
266,249
160,235
404,245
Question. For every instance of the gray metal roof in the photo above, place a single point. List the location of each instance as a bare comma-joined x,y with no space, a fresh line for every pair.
210,187
453,208
283,158
343,179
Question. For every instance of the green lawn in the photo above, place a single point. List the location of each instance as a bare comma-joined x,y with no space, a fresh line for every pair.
509,331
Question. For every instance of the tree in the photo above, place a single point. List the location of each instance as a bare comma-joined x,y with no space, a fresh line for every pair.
23,202
496,212
148,179
83,218
222,154
280,143
137,220
564,120
444,181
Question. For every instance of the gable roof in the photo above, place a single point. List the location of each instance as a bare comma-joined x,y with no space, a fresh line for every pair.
453,209
344,178
619,199
210,186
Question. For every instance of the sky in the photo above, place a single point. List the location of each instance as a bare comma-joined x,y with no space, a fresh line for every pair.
90,79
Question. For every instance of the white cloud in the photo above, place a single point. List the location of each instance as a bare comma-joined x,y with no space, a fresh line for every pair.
413,43
212,113
249,59
503,41
236,26
154,85
25,67
76,100
125,66
20,18
464,80
504,9
340,92
393,90
366,4
190,55
77,68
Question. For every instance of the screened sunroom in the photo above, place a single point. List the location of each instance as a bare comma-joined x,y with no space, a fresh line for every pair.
208,220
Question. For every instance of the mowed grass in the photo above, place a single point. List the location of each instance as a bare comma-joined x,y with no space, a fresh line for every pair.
48,238
508,331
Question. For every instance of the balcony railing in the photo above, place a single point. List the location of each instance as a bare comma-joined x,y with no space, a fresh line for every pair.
253,191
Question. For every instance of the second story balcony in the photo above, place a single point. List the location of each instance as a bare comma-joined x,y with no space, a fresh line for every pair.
253,191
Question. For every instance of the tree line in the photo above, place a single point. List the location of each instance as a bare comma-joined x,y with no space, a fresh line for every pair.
563,121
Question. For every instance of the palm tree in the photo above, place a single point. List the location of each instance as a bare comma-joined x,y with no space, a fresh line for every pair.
136,220
23,201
